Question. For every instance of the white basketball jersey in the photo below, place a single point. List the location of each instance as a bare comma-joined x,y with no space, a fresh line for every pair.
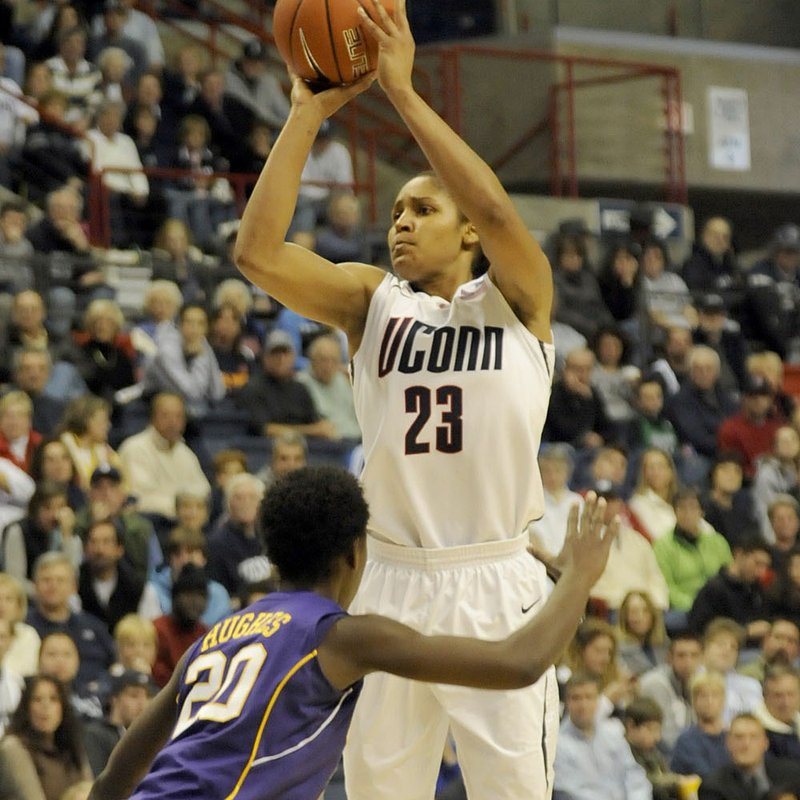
451,398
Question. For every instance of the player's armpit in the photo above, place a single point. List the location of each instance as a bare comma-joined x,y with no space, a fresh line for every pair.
132,757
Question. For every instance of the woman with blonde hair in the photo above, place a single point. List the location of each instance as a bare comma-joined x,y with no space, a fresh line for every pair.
594,649
652,498
641,633
22,655
84,431
162,301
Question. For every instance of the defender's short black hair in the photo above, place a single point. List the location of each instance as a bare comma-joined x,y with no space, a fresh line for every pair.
309,518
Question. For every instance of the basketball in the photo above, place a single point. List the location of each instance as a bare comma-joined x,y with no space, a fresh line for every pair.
324,41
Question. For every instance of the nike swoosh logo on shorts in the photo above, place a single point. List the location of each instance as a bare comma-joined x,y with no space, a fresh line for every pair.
526,609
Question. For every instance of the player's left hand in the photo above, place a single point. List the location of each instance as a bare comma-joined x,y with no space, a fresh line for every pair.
395,44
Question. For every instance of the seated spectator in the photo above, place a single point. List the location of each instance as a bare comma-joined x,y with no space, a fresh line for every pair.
136,642
614,377
576,414
149,94
112,35
191,512
108,501
42,754
84,431
75,77
753,771
642,720
329,168
781,645
700,748
631,563
784,593
698,409
185,363
751,431
672,368
780,713
727,507
641,633
303,332
22,654
131,692
18,440
712,265
547,534
143,130
724,336
108,586
773,300
666,296
51,156
200,200
178,630
250,158
55,582
32,370
251,81
46,28
668,684
175,259
784,519
115,86
162,301
11,682
620,280
736,591
768,365
777,473
59,657
107,356
182,79
721,643
159,464
16,490
235,359
593,650
235,540
342,238
49,525
132,210
235,292
227,117
140,27
52,462
184,546
580,303
689,554
650,427
276,400
652,499
226,463
289,452
16,251
330,388
586,738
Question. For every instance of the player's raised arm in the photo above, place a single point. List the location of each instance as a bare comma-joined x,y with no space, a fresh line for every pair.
134,754
359,645
518,266
297,277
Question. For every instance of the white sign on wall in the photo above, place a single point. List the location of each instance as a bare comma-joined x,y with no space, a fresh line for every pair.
728,129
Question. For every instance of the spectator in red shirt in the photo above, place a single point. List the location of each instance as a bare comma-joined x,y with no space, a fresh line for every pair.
177,630
18,440
751,431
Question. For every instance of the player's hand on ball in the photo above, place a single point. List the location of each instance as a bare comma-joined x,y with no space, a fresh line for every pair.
328,101
395,44
588,540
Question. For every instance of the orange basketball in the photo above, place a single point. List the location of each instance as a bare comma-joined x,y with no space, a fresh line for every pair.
324,41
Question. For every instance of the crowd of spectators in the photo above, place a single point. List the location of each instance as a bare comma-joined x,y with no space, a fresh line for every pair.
136,441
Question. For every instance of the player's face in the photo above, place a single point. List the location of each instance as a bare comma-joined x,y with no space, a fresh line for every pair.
428,235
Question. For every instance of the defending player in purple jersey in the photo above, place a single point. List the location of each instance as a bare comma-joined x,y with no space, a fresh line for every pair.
258,709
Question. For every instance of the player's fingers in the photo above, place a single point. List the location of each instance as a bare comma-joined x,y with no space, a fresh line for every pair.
387,22
572,521
376,30
400,16
611,533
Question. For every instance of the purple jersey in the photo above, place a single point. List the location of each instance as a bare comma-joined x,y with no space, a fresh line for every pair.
257,719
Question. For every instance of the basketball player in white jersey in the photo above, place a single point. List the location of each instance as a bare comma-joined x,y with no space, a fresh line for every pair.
452,381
